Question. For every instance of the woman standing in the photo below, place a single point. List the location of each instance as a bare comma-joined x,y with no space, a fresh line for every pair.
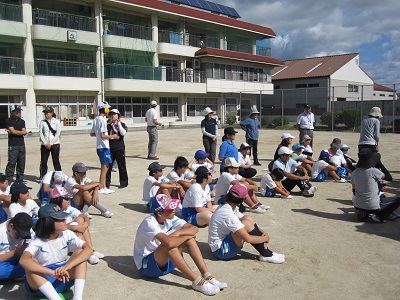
228,147
49,131
209,128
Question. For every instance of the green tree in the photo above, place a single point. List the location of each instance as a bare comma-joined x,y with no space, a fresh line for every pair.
230,119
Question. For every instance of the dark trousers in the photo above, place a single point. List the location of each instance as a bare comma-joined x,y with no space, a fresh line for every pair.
254,150
247,173
388,205
379,165
119,156
210,147
16,157
44,157
289,184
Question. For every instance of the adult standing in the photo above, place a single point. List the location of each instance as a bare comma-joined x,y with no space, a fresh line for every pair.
228,147
305,123
209,128
117,148
15,126
369,137
152,123
251,125
49,132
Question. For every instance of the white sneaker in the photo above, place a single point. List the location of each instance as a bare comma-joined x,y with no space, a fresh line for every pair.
287,197
109,191
107,214
207,288
103,191
114,170
341,180
88,215
274,259
278,254
98,254
219,284
265,207
257,210
93,259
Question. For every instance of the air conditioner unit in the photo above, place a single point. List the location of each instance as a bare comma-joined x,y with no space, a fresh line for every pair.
196,64
189,75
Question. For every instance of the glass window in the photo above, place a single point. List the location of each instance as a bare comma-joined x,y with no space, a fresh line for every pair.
168,107
196,106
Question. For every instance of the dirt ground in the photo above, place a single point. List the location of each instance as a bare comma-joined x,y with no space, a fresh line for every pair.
328,253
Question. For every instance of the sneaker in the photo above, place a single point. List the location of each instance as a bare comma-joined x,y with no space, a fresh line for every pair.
103,191
98,254
88,215
109,191
107,214
114,170
219,284
257,210
341,180
93,259
278,254
264,207
376,219
274,259
287,197
393,216
206,288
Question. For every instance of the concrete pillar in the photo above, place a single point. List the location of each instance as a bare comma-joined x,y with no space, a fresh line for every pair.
222,39
98,11
154,29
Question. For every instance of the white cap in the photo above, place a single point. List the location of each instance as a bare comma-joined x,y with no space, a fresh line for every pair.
103,105
286,135
115,111
153,103
284,150
231,162
207,111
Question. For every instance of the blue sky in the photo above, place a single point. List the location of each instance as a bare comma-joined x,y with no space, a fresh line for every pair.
309,28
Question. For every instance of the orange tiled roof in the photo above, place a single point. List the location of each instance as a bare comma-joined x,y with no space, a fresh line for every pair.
379,87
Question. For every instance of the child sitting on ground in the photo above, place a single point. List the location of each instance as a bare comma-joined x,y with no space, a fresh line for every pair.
50,180
245,169
382,184
321,169
271,184
21,201
301,158
5,198
201,160
350,161
306,143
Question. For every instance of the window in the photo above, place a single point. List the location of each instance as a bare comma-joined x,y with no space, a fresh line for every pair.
382,95
231,106
277,87
168,107
195,106
301,86
311,85
353,88
130,107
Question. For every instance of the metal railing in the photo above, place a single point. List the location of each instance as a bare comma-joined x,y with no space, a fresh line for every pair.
10,12
63,20
239,47
264,51
187,75
11,65
127,30
65,68
132,72
172,37
203,41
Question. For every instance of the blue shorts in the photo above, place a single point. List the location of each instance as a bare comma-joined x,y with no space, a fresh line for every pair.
104,155
58,285
11,269
189,214
74,205
341,171
3,215
320,177
228,250
151,269
269,192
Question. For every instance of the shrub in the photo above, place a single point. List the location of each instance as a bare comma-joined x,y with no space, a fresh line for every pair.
265,121
350,117
277,121
326,118
243,113
230,119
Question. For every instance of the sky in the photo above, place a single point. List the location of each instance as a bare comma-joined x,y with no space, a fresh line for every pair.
310,28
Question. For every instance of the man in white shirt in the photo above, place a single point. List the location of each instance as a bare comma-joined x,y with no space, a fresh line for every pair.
305,123
152,123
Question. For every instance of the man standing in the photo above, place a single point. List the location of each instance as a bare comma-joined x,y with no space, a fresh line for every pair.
152,123
250,125
16,129
305,123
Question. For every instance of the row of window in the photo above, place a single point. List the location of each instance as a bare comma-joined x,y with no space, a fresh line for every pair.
232,72
353,88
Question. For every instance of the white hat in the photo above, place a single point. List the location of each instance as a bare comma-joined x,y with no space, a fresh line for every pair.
244,146
207,111
103,105
58,177
115,111
284,150
231,162
375,112
286,135
254,111
153,103
16,107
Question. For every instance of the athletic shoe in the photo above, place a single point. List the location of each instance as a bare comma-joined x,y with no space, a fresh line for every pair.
109,191
88,215
274,259
93,259
287,197
98,254
265,207
206,288
257,164
153,158
257,210
278,254
114,170
376,219
107,214
219,284
341,180
103,191
393,216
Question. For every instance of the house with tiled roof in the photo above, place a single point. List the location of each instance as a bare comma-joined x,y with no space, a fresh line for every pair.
186,55
382,92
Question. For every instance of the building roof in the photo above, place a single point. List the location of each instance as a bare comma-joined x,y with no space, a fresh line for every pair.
200,15
213,52
311,67
379,87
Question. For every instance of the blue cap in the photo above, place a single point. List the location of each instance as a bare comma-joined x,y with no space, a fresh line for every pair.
19,187
297,146
324,154
200,154
53,211
162,202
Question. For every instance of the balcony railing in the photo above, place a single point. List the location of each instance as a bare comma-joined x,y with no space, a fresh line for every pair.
10,12
63,20
11,65
127,30
65,68
187,75
239,47
132,72
203,41
172,37
264,51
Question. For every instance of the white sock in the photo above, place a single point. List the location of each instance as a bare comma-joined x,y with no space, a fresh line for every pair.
48,290
79,285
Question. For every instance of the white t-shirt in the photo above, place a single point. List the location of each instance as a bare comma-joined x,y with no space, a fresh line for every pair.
173,176
145,241
308,149
205,164
151,114
224,184
196,196
6,193
223,221
99,126
7,242
267,181
338,160
48,252
72,212
31,208
47,178
71,182
317,167
243,160
150,190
